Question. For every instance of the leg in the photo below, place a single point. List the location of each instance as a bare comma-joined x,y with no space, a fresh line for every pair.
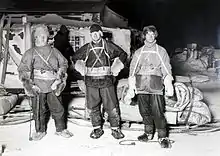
93,104
57,111
145,109
40,111
111,106
158,109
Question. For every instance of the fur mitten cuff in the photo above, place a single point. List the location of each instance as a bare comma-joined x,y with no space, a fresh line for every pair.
116,67
80,67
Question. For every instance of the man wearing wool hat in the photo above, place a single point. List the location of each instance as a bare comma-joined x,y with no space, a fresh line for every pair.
100,61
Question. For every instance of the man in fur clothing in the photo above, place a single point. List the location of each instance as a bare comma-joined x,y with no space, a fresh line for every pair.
99,62
150,71
43,73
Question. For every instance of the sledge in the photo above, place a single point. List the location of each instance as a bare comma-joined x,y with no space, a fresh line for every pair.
185,113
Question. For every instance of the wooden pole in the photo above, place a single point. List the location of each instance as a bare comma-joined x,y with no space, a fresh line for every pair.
1,30
27,34
6,51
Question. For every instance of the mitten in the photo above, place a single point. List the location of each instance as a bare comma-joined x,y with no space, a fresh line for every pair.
169,90
116,67
80,67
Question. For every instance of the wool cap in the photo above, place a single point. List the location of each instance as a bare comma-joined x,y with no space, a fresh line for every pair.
95,27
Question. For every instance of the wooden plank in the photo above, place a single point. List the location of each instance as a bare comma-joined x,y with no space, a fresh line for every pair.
6,51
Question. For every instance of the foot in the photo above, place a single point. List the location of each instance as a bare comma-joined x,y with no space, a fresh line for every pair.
38,136
96,133
64,133
145,137
117,134
164,142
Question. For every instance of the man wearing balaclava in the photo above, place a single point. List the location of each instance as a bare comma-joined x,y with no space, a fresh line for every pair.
42,71
100,61
150,71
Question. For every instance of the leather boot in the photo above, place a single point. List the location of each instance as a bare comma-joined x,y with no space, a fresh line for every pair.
96,133
145,137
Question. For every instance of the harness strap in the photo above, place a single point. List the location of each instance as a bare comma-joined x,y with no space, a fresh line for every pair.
137,61
97,56
45,60
150,51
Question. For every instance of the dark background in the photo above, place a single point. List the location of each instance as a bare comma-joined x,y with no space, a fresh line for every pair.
178,21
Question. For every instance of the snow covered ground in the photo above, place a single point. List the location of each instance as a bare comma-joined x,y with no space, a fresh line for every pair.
205,144
16,140
15,137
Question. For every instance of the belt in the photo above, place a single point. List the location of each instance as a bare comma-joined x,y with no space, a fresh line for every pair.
44,75
98,71
97,77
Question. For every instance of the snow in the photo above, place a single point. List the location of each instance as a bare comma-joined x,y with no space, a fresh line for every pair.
16,140
15,137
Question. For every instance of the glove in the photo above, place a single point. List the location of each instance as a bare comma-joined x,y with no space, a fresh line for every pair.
131,91
132,83
80,67
29,87
129,95
36,89
59,85
116,67
169,90
33,91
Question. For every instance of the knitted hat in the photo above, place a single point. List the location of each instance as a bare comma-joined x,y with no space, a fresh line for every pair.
95,27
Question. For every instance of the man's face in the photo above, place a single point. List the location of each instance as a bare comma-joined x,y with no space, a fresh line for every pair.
41,40
150,36
96,36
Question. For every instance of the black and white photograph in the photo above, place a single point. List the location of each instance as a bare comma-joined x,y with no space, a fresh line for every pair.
109,77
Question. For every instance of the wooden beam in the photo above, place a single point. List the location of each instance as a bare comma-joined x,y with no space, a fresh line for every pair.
1,30
27,33
6,51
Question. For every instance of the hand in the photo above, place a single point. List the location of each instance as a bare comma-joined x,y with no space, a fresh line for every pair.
116,67
132,82
80,67
32,91
169,90
129,95
36,89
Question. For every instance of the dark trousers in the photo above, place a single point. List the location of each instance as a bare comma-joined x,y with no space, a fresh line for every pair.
95,97
152,108
43,105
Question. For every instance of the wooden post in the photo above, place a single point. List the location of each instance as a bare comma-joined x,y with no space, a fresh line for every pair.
27,33
1,30
6,51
